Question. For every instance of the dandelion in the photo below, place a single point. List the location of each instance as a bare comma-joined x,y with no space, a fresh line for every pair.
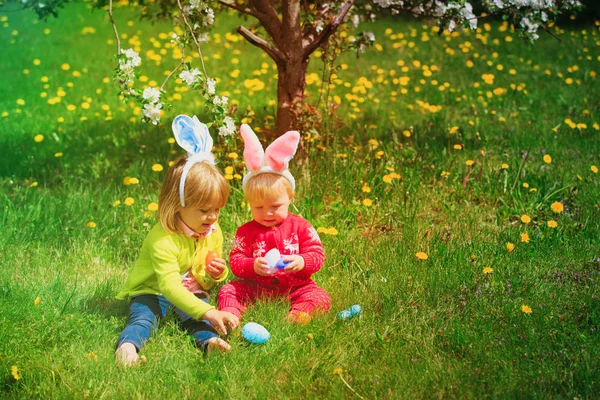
525,185
33,184
92,356
524,238
65,67
510,246
38,138
526,309
116,203
594,169
37,301
310,336
366,188
14,370
552,223
337,371
557,207
367,202
421,255
504,166
129,201
91,224
21,102
547,159
233,156
152,206
58,155
387,179
525,219
487,270
469,162
157,168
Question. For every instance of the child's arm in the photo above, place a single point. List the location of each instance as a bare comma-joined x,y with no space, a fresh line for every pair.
240,258
164,261
311,249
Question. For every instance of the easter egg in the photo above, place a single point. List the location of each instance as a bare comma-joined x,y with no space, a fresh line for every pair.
272,257
210,256
356,310
255,333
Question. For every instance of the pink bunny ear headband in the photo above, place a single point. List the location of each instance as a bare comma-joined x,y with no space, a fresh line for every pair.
192,135
273,160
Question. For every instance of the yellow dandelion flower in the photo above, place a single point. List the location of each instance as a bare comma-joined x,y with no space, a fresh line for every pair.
37,301
525,219
366,188
487,270
510,246
552,223
547,159
594,169
92,356
524,238
21,102
116,203
14,370
36,61
367,202
310,336
387,179
129,201
504,166
526,309
153,206
557,207
457,147
65,67
525,185
233,155
171,140
38,138
58,155
91,224
469,162
421,255
337,371
33,184
229,170
134,181
157,168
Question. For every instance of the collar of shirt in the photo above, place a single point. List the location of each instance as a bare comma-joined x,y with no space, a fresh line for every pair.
186,231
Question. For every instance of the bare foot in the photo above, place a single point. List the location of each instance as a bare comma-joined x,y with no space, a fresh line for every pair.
217,344
299,317
127,355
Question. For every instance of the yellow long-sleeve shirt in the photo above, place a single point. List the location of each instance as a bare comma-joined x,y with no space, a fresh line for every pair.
164,258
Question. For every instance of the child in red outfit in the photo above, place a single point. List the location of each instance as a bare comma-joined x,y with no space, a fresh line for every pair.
269,189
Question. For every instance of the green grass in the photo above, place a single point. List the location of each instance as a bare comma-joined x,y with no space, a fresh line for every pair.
438,328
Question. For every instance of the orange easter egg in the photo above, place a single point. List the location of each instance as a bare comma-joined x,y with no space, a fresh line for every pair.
210,256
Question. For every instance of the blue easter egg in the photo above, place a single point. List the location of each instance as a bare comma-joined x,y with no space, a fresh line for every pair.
356,310
344,314
255,333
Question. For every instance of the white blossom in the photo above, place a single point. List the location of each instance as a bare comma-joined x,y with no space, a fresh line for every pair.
190,77
220,101
228,128
152,112
151,94
210,86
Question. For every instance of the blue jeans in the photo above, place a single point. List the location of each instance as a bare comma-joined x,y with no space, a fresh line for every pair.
145,312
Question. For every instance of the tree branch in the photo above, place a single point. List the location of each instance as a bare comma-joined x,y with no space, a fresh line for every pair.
114,25
175,69
240,9
193,37
259,42
329,29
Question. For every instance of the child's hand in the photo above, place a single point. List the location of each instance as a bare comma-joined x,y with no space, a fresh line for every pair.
261,267
219,319
216,267
296,263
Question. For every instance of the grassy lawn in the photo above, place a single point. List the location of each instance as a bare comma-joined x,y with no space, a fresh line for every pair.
456,189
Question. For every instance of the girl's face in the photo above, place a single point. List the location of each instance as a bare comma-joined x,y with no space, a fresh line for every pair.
271,211
198,219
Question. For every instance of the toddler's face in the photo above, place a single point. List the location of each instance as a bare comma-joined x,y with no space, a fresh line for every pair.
271,211
198,219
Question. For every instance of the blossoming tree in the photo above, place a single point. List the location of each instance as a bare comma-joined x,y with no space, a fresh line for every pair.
291,31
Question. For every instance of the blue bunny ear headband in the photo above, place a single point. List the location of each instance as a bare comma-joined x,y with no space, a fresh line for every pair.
192,136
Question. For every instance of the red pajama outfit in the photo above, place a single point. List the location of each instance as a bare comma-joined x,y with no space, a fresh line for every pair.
294,235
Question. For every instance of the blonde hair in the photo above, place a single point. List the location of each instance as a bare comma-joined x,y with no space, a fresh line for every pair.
205,187
267,186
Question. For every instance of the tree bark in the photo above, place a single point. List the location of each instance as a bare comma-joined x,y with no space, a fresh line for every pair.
291,82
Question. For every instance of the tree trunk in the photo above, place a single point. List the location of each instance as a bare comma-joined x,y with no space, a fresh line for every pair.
291,83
